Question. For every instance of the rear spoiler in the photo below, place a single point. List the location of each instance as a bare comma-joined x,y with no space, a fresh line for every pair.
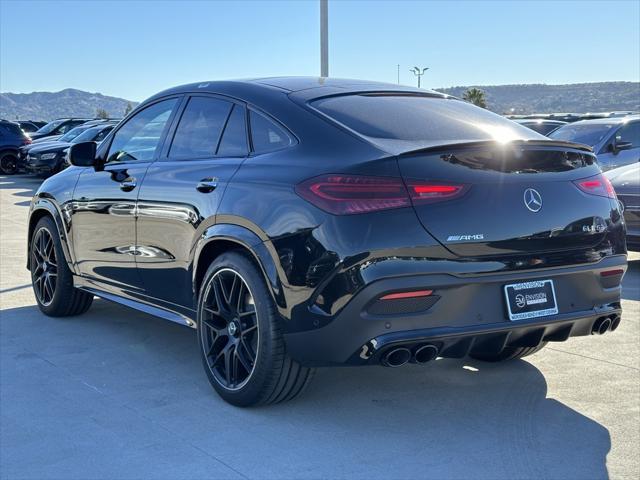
519,143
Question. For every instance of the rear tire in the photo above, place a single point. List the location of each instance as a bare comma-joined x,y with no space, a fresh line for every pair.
240,336
509,353
51,278
8,163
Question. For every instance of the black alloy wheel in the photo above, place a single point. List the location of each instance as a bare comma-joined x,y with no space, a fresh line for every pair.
44,266
230,336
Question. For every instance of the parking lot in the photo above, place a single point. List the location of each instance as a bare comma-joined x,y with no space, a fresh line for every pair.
120,394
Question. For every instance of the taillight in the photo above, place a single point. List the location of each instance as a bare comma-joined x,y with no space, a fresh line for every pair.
596,185
351,194
26,141
425,192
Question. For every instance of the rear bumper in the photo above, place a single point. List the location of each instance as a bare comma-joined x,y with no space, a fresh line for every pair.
469,315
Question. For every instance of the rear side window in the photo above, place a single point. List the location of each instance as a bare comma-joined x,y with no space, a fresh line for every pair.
267,136
234,138
200,127
420,121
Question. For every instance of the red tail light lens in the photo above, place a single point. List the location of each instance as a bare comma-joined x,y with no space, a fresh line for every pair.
422,192
26,141
351,194
596,185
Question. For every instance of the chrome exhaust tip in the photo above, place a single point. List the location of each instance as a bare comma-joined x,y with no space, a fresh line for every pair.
601,326
396,357
615,323
425,353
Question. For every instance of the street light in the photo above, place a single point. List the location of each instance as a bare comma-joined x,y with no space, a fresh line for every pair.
324,38
418,73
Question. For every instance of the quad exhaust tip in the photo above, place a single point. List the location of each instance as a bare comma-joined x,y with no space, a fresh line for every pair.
425,353
396,357
601,326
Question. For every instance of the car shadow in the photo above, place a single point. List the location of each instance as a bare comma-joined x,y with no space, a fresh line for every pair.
631,283
447,419
26,184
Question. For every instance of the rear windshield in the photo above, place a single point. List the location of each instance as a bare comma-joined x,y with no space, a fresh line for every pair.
589,134
404,122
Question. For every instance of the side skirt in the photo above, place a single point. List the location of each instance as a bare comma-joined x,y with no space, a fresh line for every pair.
156,311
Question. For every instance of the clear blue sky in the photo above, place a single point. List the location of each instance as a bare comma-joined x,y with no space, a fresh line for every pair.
133,49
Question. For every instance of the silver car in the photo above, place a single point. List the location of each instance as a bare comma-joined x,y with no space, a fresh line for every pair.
616,141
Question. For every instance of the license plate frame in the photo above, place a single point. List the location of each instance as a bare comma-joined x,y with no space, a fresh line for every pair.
532,299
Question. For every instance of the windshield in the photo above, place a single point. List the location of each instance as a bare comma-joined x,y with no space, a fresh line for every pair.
71,134
50,127
589,134
404,122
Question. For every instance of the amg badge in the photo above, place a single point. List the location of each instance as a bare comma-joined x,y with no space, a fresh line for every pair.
465,238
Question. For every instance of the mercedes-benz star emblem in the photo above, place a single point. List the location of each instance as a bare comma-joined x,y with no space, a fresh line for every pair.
532,200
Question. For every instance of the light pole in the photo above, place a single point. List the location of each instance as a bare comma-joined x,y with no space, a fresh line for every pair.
324,38
418,73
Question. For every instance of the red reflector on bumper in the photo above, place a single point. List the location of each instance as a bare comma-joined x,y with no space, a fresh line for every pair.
414,294
611,273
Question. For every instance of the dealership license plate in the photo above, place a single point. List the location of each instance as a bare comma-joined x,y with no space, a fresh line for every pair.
531,299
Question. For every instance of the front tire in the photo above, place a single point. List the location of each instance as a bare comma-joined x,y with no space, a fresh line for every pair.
509,353
240,336
51,278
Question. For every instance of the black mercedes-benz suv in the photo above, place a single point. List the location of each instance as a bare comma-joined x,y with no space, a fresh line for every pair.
304,222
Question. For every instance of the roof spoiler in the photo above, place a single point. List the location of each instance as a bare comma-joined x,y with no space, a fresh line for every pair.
518,143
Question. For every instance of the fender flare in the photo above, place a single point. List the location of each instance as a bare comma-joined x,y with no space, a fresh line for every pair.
262,252
40,204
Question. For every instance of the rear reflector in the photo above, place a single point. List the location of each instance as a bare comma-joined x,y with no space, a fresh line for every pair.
414,294
422,192
351,194
611,273
596,185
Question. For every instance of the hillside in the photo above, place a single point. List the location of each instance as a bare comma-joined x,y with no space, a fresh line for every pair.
542,98
66,103
526,98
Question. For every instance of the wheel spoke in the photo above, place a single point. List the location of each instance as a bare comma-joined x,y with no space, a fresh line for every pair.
251,356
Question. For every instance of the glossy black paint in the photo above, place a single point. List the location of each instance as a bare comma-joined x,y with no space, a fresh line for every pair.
143,233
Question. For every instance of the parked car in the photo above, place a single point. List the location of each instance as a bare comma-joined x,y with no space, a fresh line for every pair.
616,140
626,182
30,126
42,142
11,139
49,158
298,222
58,127
541,125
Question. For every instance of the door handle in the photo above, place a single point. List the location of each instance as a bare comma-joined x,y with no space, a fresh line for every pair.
128,184
207,185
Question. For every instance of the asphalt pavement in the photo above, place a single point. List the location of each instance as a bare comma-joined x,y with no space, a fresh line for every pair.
118,394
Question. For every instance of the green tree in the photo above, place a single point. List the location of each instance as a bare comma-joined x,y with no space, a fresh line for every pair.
128,109
475,96
102,113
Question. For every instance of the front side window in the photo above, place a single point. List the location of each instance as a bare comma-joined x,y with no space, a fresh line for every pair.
138,139
629,133
200,127
266,135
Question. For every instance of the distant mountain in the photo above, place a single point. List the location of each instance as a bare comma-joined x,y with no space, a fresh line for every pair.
66,103
542,98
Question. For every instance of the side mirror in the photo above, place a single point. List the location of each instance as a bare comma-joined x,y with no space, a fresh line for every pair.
623,146
83,154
